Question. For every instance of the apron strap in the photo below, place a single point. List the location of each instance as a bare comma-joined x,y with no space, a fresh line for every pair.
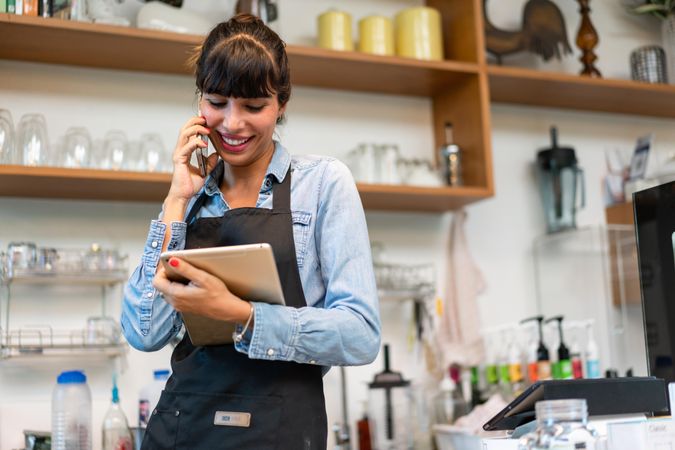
281,198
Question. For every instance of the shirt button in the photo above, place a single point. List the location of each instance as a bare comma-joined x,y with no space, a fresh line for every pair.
149,294
270,352
154,244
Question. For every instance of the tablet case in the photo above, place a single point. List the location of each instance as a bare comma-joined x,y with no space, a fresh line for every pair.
604,396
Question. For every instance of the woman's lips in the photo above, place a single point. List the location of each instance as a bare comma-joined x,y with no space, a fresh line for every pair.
234,143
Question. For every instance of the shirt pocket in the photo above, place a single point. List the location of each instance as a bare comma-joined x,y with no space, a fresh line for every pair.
301,223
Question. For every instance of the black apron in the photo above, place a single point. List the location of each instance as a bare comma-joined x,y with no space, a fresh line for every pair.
212,389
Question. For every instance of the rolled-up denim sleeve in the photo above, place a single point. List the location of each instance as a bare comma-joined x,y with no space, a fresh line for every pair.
148,322
346,331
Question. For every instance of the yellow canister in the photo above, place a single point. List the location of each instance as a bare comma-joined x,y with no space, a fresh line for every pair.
335,30
376,35
418,33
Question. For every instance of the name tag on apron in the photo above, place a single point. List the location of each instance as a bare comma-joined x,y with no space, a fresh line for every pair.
232,419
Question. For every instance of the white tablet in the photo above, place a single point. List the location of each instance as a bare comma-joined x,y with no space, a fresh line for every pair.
248,271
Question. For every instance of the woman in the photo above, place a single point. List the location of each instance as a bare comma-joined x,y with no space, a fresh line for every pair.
266,390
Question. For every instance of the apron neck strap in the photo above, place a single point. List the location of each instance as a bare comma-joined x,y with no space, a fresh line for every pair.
281,199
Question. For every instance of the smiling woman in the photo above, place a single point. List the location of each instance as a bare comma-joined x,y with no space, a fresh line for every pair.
265,389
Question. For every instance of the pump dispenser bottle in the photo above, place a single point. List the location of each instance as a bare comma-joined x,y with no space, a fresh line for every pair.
564,364
543,357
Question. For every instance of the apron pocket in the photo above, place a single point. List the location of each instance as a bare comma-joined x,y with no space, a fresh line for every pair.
215,421
162,429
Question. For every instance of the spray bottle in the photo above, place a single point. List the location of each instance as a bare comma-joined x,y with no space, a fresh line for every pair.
115,431
543,358
592,353
564,364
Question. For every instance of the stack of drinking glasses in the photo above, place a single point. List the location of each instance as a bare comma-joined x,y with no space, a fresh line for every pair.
29,145
383,164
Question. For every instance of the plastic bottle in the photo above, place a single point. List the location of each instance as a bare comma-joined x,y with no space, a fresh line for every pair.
363,430
448,403
149,396
543,358
564,364
592,353
575,355
116,433
561,425
71,412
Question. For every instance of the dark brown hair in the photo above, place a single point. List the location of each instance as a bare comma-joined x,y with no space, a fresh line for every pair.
243,58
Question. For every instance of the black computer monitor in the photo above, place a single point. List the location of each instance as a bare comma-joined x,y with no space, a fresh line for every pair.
654,210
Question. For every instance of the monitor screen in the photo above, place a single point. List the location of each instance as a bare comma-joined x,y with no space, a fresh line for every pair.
655,232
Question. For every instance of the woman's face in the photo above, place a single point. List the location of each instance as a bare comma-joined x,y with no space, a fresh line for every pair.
241,128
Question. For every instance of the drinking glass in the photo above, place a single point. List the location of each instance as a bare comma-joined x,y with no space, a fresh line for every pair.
32,141
115,150
152,154
7,152
77,148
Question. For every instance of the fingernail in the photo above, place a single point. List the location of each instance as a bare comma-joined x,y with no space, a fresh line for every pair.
173,262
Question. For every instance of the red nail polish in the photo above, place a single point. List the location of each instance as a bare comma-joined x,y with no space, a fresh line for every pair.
173,262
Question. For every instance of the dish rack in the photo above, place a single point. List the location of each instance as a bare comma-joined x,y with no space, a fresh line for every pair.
93,268
402,282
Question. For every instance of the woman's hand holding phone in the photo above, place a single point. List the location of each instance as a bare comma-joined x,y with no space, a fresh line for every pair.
187,179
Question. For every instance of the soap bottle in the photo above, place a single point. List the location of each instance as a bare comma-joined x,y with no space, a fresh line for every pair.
543,357
115,431
592,353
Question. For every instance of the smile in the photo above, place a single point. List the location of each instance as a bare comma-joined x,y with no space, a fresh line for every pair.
235,142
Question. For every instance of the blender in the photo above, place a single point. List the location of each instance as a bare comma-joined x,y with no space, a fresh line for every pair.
389,403
559,175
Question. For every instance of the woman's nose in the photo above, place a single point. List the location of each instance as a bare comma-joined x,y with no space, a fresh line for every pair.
233,119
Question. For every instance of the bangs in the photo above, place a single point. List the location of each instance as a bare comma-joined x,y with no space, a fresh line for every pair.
239,67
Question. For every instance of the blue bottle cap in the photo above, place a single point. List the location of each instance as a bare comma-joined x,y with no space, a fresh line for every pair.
72,376
164,373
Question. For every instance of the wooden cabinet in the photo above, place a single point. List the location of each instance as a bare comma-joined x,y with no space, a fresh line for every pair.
461,88
456,86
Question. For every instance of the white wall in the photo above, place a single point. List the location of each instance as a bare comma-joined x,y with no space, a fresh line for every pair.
500,230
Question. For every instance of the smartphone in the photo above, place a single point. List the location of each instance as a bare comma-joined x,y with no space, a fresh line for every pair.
202,153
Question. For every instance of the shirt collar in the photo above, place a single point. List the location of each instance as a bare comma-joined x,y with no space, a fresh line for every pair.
278,167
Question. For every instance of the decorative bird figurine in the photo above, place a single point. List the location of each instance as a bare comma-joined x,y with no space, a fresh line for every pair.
543,32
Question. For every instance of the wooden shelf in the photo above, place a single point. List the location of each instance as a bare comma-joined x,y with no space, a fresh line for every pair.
88,184
558,90
112,47
82,184
620,214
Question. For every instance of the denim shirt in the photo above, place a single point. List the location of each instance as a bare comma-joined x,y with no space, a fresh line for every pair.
340,324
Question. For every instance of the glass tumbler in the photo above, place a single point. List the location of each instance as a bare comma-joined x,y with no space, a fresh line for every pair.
77,148
115,150
7,149
32,140
152,153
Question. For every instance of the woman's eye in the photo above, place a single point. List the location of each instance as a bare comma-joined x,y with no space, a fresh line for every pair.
217,104
254,108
